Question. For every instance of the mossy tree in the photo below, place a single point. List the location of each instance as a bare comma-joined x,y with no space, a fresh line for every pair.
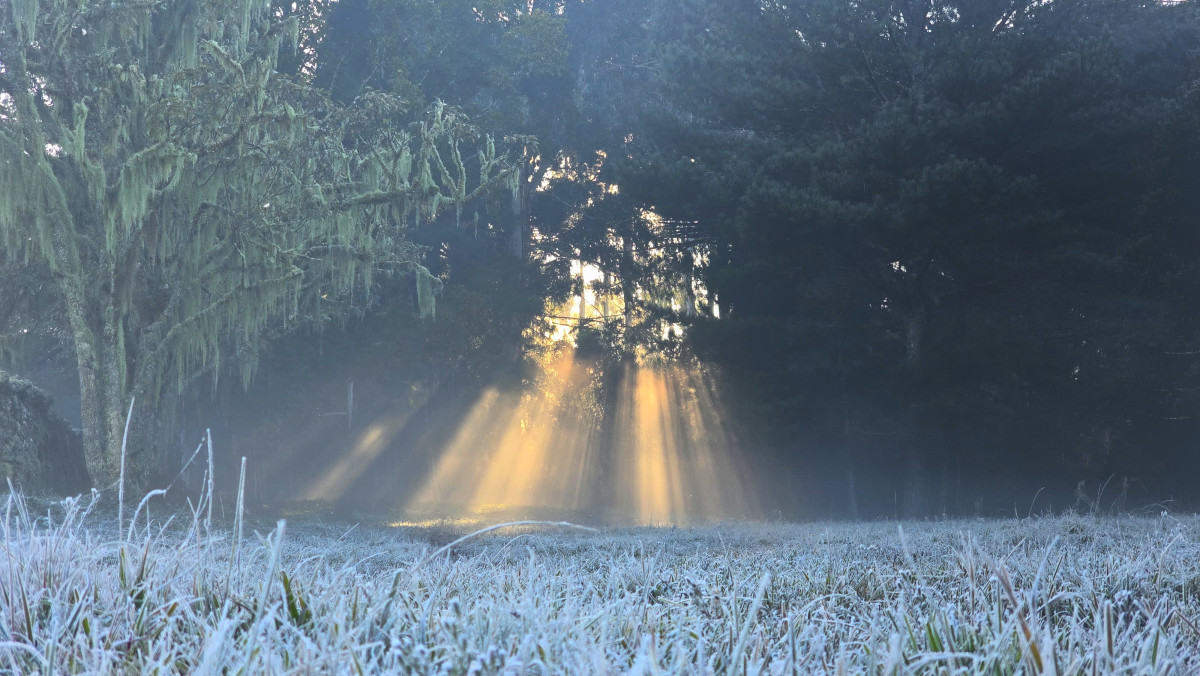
190,202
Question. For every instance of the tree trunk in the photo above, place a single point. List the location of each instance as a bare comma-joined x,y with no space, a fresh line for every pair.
87,360
627,277
516,240
583,307
690,306
851,487
69,275
519,233
914,483
915,334
848,451
607,293
114,389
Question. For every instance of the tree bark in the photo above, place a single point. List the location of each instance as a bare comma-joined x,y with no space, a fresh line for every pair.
114,389
87,361
68,271
583,306
627,276
915,334
607,293
519,233
914,482
851,487
516,239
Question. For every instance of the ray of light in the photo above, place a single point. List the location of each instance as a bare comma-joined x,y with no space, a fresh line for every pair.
674,457
669,457
645,449
463,458
332,485
513,450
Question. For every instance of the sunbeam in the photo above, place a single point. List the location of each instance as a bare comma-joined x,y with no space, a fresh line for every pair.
666,459
675,460
333,484
514,450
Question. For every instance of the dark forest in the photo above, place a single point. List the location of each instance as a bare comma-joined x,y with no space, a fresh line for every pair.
669,260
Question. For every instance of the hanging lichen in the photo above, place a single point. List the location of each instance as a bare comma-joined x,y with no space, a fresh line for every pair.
428,287
25,15
191,203
224,59
141,177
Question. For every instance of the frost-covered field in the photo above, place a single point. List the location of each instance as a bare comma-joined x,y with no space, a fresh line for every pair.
1056,595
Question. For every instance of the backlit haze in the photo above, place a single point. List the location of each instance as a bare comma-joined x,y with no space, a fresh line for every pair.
539,449
659,450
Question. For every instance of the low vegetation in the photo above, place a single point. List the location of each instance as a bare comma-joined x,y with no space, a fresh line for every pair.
165,594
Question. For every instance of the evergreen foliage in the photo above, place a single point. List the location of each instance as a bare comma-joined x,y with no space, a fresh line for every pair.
952,232
928,239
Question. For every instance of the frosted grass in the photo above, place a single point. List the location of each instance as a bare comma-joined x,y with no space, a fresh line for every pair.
1065,595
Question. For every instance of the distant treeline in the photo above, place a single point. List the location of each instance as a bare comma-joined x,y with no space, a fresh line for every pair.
954,246
942,254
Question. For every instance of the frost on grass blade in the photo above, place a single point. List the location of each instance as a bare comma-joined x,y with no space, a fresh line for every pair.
1054,595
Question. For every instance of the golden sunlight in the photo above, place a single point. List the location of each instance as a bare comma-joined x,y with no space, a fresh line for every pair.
367,447
674,457
514,450
668,460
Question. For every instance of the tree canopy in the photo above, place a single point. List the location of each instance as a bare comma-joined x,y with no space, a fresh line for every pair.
919,240
945,225
189,202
